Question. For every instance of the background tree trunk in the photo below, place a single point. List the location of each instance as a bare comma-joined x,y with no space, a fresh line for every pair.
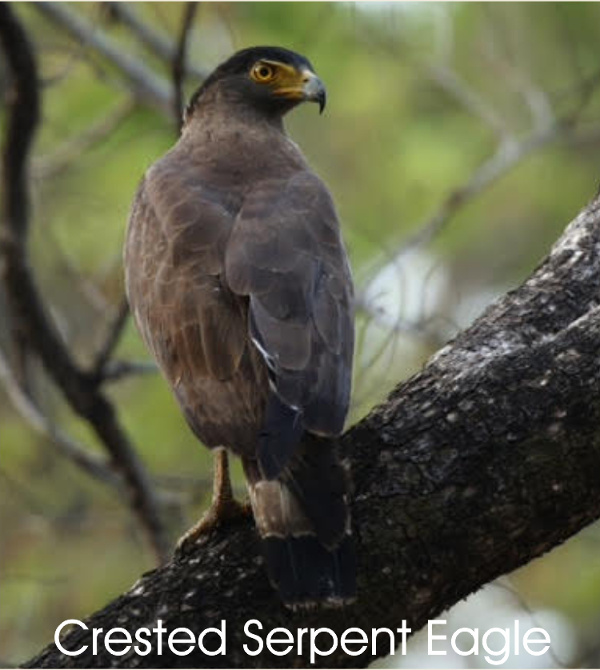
486,459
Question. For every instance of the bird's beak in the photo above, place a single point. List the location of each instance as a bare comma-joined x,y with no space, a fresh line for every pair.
300,85
314,89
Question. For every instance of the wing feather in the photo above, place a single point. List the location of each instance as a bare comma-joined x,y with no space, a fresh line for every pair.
285,252
193,324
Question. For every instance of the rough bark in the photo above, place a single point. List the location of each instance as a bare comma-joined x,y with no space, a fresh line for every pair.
486,459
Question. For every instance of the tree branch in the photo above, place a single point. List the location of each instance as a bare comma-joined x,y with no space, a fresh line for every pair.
547,127
179,64
107,348
159,44
64,156
25,304
94,465
116,370
507,156
148,87
476,465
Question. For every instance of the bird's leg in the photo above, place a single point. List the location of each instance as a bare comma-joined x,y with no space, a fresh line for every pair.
222,490
224,507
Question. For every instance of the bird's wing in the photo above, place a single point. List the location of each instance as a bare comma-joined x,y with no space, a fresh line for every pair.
174,256
285,252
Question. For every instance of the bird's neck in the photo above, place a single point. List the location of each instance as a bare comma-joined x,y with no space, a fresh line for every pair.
222,133
220,110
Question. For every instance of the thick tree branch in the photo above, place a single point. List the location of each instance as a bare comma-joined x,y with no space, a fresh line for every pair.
24,300
481,462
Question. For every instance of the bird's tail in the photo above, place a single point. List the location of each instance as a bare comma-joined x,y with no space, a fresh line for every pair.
303,519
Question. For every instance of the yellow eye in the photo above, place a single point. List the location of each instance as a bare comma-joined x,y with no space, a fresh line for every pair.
262,73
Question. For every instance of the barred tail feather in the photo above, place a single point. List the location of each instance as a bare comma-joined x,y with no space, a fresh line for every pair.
303,519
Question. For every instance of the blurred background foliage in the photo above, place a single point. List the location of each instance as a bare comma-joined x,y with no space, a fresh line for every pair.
458,141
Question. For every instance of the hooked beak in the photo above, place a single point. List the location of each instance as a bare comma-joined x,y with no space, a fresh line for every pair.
314,89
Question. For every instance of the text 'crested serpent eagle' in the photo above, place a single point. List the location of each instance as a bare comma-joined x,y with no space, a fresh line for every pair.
239,283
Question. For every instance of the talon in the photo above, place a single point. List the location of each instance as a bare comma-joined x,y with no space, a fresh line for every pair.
224,508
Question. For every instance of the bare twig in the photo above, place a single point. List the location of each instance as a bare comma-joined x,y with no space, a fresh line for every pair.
179,65
75,54
89,289
111,341
116,370
507,156
23,298
158,43
95,466
63,157
547,128
518,78
147,86
19,352
452,83
469,98
26,499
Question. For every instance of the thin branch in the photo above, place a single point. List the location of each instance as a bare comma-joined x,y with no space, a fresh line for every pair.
63,157
117,370
520,81
95,466
147,86
27,500
23,299
157,43
75,55
469,98
507,156
110,343
501,163
88,288
179,64
449,81
169,487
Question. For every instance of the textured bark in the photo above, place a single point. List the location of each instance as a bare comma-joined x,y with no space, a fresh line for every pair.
486,459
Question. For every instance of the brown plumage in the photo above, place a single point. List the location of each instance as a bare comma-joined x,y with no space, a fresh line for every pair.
239,283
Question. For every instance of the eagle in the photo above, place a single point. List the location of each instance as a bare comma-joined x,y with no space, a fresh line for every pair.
240,286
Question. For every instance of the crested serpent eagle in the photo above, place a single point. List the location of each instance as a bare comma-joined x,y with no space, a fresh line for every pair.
240,286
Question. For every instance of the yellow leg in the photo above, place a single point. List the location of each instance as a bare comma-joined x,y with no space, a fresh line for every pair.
224,507
222,491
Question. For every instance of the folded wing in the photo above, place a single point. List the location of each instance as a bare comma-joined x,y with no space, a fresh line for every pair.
286,254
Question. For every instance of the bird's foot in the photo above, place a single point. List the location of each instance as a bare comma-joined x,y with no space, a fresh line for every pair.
221,512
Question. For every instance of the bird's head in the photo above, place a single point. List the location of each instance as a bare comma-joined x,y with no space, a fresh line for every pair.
270,80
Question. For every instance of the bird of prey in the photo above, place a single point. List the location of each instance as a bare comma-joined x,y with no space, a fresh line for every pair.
240,286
